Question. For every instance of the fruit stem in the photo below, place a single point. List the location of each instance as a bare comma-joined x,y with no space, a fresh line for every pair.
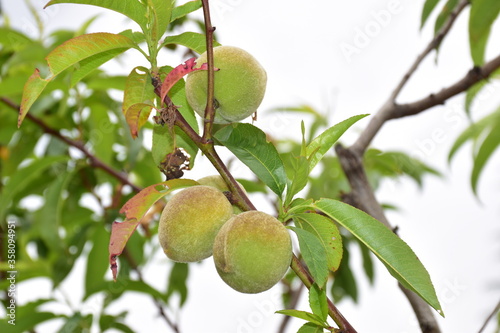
209,109
306,278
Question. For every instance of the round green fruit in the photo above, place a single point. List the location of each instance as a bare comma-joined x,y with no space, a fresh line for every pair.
191,220
240,84
252,252
219,183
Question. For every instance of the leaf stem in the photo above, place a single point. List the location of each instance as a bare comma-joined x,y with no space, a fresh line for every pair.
209,109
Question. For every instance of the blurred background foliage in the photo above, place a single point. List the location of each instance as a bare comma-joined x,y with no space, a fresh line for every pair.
47,182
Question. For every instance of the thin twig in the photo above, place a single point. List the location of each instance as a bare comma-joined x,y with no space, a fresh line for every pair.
495,310
295,296
96,162
209,109
380,116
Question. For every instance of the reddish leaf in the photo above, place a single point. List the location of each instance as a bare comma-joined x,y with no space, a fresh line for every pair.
137,115
177,73
134,211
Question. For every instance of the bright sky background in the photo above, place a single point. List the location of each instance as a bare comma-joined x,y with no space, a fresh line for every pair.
456,235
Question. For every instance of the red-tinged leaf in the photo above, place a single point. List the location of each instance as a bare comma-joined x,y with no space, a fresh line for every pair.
32,90
134,211
137,115
177,73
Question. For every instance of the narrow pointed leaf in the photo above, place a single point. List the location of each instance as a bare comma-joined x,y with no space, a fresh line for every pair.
482,15
298,175
162,11
163,142
12,39
318,301
473,132
444,15
391,250
488,146
327,233
192,40
182,10
314,255
427,10
310,317
325,141
249,145
134,10
134,211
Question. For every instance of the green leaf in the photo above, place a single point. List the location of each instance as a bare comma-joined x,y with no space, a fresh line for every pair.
13,40
161,11
314,255
444,15
163,142
137,116
325,141
71,53
22,179
344,282
490,143
87,66
134,10
298,172
177,282
192,40
318,302
249,145
182,10
138,88
482,15
327,233
310,317
134,211
427,10
97,263
310,328
392,251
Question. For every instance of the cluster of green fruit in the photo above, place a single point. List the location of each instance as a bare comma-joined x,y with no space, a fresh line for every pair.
252,250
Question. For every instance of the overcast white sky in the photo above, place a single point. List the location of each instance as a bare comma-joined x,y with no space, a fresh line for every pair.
300,44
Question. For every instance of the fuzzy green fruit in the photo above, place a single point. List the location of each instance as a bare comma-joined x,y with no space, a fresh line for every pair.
252,252
190,221
239,88
219,183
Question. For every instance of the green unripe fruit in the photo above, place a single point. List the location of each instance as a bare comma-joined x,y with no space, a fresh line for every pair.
219,183
190,221
240,84
252,252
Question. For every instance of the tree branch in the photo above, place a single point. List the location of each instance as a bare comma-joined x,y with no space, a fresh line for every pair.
209,110
351,159
490,316
381,115
96,162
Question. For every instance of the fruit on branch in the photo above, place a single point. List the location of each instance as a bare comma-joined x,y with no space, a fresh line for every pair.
219,183
240,84
252,252
190,221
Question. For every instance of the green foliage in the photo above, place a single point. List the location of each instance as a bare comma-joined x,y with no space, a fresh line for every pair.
249,144
482,15
485,136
